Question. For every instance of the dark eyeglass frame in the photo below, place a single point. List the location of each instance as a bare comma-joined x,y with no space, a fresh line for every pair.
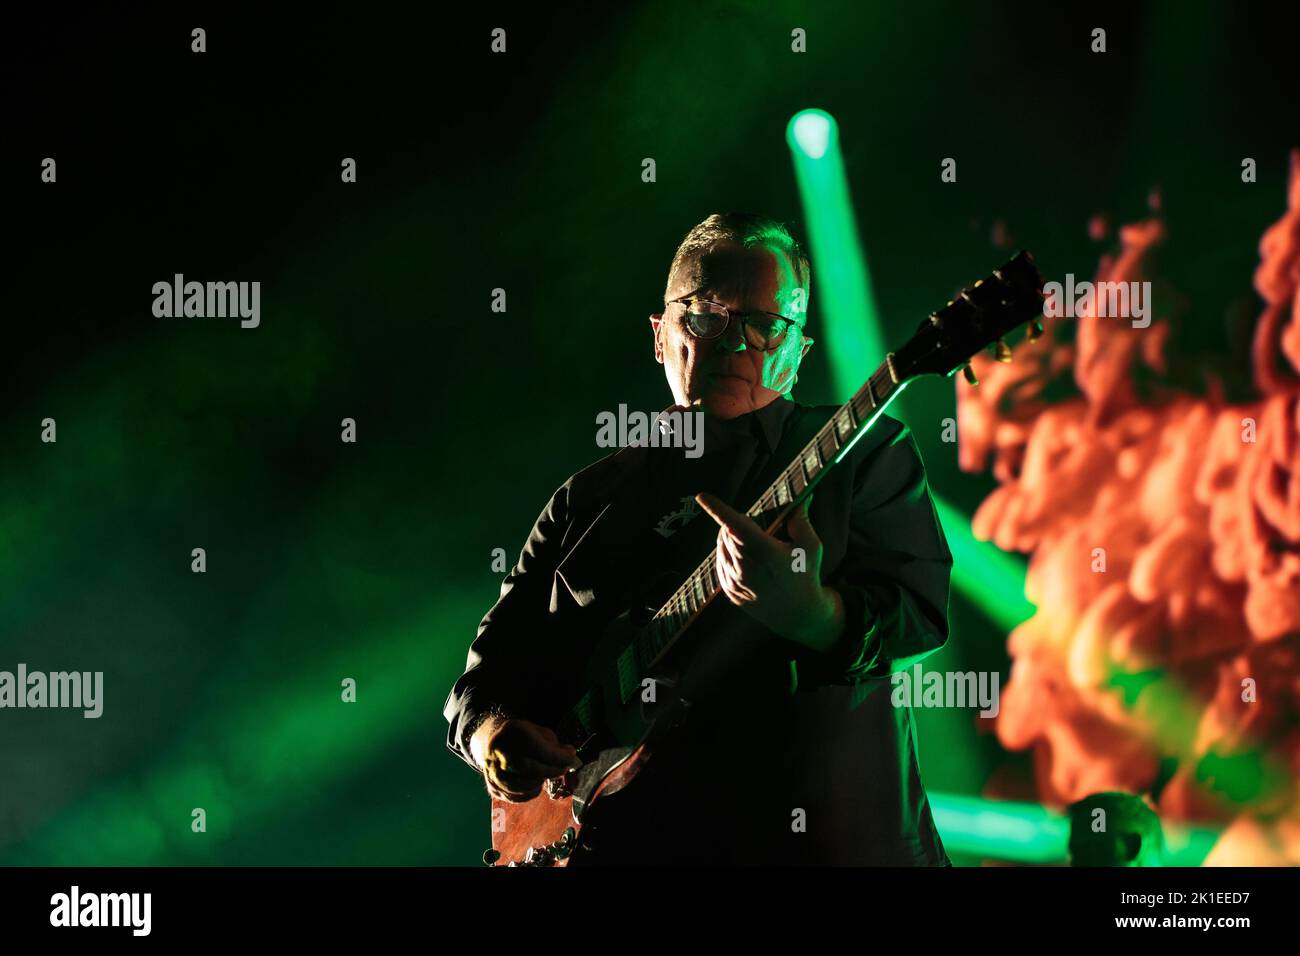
744,322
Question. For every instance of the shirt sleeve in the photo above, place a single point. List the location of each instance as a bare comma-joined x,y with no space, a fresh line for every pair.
895,574
507,665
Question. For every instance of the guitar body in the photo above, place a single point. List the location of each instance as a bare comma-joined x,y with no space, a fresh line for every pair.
547,830
635,715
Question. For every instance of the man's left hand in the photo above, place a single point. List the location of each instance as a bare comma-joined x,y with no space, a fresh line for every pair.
757,574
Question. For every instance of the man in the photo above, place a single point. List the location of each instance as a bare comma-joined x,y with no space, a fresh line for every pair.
793,753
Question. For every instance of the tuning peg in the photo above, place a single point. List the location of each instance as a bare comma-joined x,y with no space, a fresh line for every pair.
1035,330
970,375
1001,351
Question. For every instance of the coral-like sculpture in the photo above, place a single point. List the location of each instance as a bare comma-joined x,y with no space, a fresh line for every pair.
1163,534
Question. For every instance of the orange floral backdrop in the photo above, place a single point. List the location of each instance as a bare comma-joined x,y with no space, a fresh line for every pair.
1181,650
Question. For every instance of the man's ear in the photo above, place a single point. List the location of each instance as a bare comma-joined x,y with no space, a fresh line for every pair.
807,344
656,321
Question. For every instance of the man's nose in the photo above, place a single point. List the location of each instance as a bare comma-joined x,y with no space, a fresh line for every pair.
733,339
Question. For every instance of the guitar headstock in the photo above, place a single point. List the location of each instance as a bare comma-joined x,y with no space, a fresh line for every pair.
977,318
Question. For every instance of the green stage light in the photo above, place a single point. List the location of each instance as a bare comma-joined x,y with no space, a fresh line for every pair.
1033,834
812,131
992,580
1017,832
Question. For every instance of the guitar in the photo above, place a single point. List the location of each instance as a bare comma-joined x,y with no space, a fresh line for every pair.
613,728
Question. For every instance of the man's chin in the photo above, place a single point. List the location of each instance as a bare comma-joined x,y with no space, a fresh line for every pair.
727,396
724,383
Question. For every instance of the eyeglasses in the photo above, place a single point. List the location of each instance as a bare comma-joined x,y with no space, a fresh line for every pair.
705,319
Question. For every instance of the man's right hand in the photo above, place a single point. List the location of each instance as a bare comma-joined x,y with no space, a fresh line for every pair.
518,756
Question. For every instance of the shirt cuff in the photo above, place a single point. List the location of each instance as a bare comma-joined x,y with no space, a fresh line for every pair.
857,649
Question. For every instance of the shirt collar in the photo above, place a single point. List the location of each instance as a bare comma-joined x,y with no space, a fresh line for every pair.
771,418
767,423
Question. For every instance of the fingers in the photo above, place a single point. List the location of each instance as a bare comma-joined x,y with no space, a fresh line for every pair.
532,768
499,792
726,574
546,748
799,529
729,571
521,757
730,576
742,526
510,784
515,787
566,755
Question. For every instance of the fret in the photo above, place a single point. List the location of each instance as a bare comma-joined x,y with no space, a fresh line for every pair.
782,493
842,427
824,454
811,462
663,633
881,389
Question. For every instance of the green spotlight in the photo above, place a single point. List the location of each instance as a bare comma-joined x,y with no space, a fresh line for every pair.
843,284
991,579
855,343
811,131
1020,832
1030,833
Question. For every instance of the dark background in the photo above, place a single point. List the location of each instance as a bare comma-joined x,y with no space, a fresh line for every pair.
328,560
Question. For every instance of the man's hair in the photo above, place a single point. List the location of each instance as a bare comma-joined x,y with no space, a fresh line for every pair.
747,229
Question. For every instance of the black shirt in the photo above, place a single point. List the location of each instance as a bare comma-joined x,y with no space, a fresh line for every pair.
793,756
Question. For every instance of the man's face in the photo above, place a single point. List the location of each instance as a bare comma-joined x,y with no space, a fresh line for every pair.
725,374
